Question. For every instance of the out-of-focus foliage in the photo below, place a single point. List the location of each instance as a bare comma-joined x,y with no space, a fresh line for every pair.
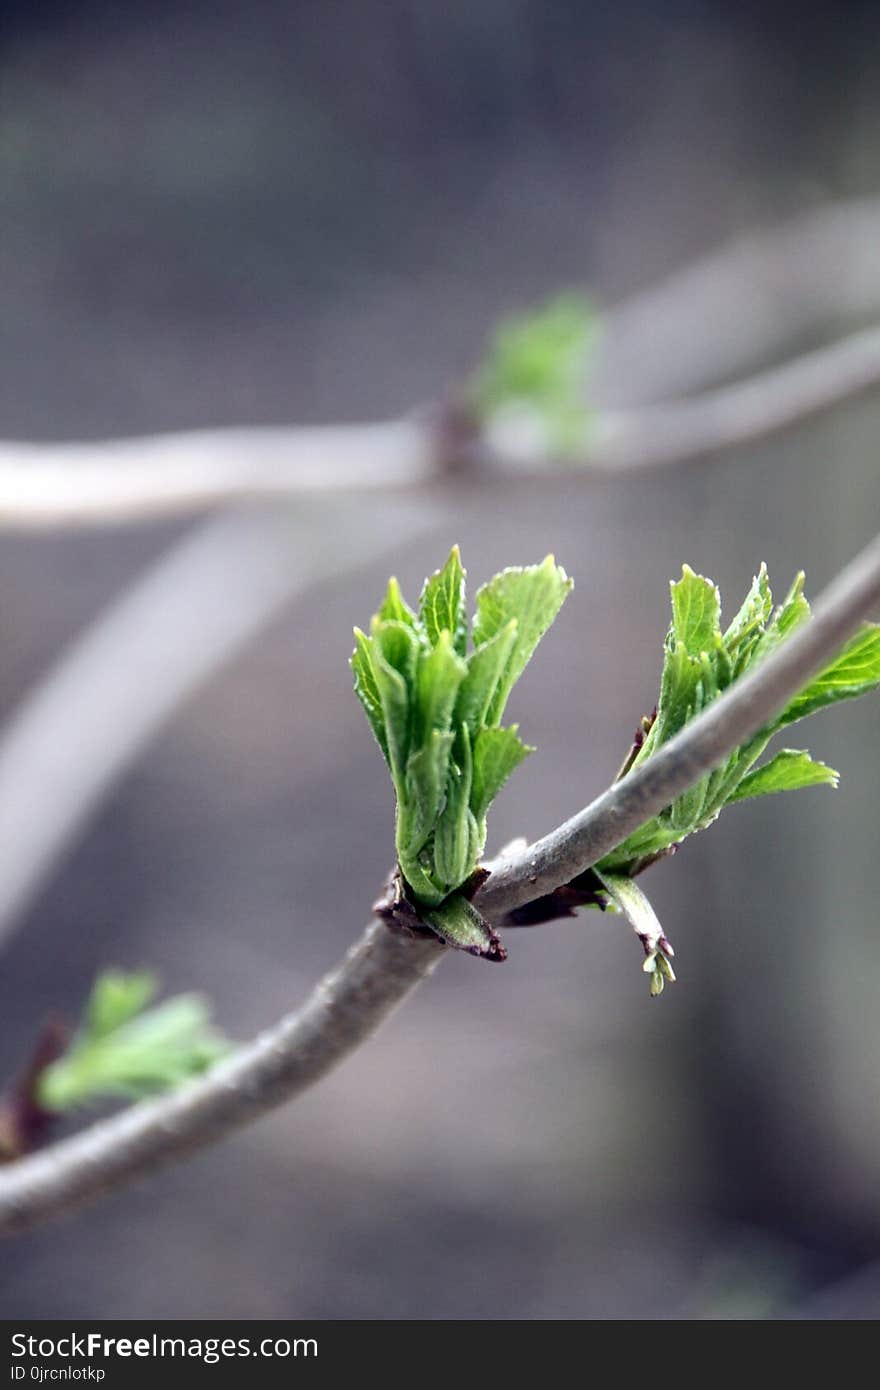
538,365
126,1049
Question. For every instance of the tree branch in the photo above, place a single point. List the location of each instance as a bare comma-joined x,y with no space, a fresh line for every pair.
385,965
135,480
345,1007
746,301
745,707
115,481
743,414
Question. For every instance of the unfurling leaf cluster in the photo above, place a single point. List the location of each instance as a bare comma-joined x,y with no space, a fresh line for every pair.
700,661
435,702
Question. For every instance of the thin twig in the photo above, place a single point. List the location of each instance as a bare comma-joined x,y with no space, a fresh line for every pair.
341,1013
347,1006
115,481
745,302
745,707
766,289
135,480
743,414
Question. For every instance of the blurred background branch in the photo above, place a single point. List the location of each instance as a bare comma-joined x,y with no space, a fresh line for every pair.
744,303
84,724
116,481
742,414
345,1007
764,289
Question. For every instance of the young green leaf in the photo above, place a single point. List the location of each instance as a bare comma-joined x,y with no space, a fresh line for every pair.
116,997
533,596
456,838
367,690
395,608
696,613
485,667
399,645
440,674
497,753
427,776
793,611
442,604
790,770
696,666
395,690
754,614
855,671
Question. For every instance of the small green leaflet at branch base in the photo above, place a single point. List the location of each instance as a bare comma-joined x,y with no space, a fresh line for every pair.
126,1049
435,709
460,925
790,770
627,897
538,365
700,661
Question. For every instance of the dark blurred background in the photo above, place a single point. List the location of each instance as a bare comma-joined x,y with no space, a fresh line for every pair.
223,213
